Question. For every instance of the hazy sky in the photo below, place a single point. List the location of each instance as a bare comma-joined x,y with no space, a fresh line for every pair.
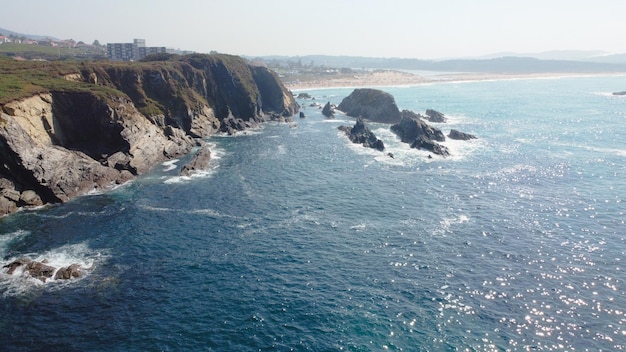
389,28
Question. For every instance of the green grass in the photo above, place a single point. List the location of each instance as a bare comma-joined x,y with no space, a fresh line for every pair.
19,79
34,51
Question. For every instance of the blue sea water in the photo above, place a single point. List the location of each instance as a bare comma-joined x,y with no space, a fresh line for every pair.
296,239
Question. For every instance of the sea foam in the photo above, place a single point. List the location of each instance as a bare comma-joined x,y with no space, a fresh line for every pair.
20,282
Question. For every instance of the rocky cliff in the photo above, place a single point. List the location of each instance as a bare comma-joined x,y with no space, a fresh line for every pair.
66,129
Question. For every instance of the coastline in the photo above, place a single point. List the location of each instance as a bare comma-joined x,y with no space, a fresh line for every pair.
395,78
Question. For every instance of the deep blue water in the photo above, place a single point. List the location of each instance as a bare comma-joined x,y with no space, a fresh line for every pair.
298,240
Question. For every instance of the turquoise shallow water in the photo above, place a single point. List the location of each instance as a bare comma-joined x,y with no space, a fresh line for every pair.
298,240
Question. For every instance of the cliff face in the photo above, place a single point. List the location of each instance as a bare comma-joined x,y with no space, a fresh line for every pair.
110,122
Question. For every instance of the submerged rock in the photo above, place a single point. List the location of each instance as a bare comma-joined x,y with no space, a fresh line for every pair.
362,134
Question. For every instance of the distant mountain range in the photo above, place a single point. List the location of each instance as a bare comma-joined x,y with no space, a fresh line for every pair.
561,61
502,64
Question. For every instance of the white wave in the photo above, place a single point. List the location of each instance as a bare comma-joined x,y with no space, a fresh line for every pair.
247,132
610,94
207,211
169,165
359,227
20,282
446,223
217,154
614,151
197,174
460,150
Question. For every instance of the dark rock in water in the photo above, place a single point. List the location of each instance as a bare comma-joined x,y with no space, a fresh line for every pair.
620,93
328,110
391,155
72,271
422,142
200,161
304,96
411,127
361,134
420,135
302,115
371,104
42,271
16,264
454,134
411,114
435,116
39,270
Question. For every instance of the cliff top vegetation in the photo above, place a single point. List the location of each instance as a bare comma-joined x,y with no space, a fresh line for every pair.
19,79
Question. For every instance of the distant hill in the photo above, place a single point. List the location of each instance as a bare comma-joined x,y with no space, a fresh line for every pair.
509,64
7,33
567,55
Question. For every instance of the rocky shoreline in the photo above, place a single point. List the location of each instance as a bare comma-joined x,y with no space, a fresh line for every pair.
106,123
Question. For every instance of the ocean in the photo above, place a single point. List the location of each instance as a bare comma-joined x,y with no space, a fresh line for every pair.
296,239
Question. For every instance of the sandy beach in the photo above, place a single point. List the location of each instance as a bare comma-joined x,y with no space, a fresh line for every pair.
387,78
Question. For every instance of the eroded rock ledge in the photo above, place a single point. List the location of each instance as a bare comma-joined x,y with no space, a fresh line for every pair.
113,121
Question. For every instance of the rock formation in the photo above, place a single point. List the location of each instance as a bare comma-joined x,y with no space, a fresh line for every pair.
304,96
435,116
362,135
328,110
371,104
113,121
419,135
454,134
200,161
42,271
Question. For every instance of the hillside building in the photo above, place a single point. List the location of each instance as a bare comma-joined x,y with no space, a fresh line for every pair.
132,51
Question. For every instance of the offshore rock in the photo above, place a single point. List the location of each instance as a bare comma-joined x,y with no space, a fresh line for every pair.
410,128
42,271
361,134
419,135
435,116
371,104
454,134
304,96
115,121
199,162
328,110
72,271
422,142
